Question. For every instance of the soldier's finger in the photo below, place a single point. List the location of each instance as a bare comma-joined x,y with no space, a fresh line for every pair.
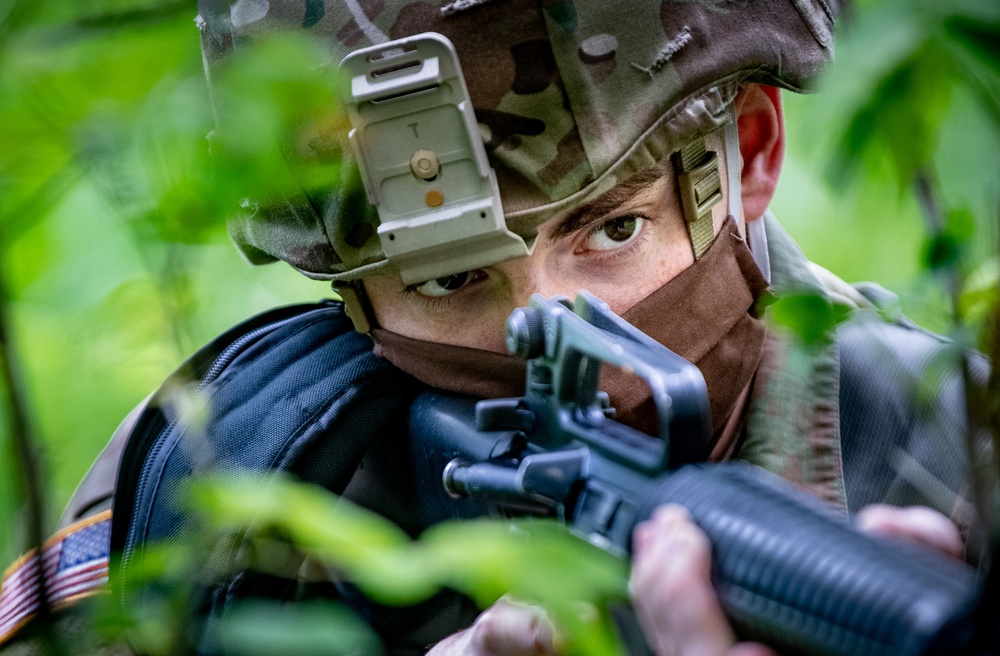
916,524
671,588
511,629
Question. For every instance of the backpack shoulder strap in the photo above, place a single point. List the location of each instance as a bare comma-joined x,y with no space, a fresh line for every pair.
297,391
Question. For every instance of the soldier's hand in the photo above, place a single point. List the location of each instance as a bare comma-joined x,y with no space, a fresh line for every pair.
506,628
672,590
671,585
916,524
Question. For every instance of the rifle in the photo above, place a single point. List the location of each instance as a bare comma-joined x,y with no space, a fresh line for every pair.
788,571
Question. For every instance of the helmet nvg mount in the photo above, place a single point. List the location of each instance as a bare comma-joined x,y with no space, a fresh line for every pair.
423,163
566,98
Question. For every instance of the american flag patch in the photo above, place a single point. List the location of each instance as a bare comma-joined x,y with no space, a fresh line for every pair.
75,564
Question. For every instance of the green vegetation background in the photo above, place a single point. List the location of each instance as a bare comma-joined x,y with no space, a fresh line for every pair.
118,266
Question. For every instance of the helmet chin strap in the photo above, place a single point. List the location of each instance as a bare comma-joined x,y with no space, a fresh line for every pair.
754,230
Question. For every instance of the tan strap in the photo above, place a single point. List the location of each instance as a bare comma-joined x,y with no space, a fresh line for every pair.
356,305
700,188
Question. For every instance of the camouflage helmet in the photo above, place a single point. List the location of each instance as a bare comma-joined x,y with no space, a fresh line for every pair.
571,96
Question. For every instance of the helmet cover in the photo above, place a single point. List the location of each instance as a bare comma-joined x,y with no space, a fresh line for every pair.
571,96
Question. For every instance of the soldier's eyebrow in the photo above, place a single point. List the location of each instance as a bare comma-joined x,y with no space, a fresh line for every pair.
604,204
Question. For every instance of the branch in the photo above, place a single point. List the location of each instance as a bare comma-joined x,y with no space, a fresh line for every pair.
977,410
26,468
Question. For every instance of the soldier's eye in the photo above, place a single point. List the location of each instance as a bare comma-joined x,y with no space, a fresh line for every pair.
615,233
448,284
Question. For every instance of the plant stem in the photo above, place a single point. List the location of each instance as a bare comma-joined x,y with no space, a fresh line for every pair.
977,409
27,467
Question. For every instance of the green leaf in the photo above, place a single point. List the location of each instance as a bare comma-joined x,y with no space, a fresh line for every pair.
981,293
941,251
370,548
534,561
810,317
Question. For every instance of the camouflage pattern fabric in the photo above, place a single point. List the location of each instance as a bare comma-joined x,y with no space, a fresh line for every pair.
875,415
571,96
793,424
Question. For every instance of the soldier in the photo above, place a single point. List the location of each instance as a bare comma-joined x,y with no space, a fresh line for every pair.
636,148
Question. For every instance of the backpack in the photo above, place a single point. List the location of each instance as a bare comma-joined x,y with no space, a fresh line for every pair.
295,390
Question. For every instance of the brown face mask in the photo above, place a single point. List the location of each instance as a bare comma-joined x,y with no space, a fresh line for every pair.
705,314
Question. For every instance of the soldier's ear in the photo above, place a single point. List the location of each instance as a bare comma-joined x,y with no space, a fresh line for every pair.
761,125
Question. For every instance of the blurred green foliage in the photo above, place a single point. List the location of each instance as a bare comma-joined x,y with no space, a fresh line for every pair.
573,579
312,629
113,203
112,225
915,90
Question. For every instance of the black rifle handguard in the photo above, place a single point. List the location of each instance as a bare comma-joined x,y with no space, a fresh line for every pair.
791,574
